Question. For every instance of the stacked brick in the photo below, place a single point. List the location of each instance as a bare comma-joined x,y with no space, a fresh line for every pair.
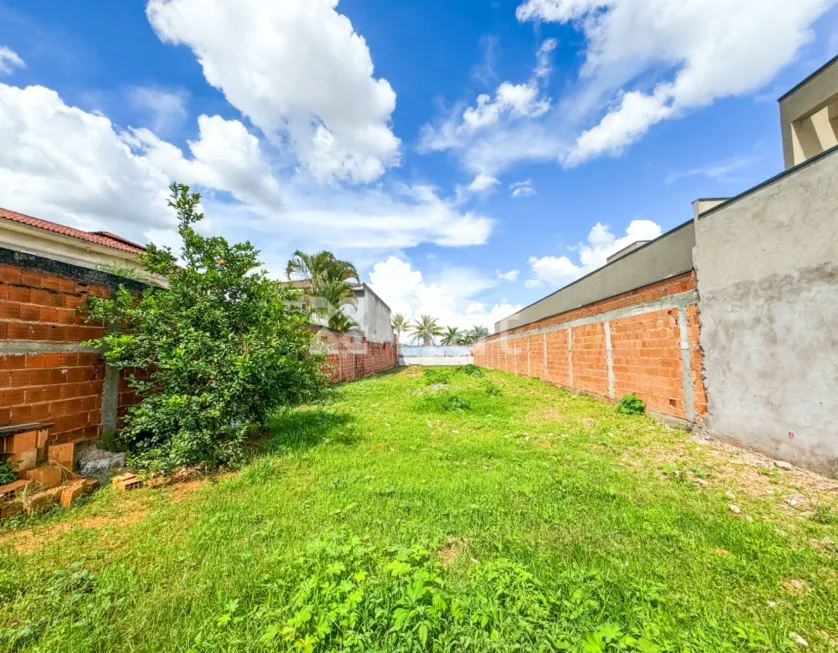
64,389
646,354
44,471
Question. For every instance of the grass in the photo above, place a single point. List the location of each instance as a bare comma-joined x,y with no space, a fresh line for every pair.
459,511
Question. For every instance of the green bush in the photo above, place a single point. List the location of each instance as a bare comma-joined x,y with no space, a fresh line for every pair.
211,356
471,370
631,405
438,376
7,474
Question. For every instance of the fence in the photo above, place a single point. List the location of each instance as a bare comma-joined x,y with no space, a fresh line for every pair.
436,356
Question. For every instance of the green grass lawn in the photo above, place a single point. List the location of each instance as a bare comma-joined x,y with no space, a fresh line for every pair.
441,512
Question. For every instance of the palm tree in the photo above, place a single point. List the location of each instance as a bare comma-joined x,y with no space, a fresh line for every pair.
425,329
400,324
328,282
475,334
342,322
452,336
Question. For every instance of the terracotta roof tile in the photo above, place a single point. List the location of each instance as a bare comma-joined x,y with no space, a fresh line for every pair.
102,238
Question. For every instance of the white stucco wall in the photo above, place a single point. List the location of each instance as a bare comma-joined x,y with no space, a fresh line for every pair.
767,266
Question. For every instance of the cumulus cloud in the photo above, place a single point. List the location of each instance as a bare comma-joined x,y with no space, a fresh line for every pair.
74,167
61,163
298,71
716,48
601,243
225,157
511,276
9,60
499,126
481,183
450,298
522,188
165,108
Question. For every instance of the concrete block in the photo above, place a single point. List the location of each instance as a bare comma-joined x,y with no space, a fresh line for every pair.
8,510
62,454
127,482
44,477
21,443
13,490
72,492
22,462
42,500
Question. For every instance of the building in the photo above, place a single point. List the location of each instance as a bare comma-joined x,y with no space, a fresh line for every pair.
99,250
727,321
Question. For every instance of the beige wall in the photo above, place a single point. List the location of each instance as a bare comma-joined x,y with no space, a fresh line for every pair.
767,266
809,116
31,240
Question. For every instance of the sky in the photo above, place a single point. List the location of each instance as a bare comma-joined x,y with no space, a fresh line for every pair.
469,157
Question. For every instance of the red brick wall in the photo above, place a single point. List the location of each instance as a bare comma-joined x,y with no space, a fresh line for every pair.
645,350
64,389
352,357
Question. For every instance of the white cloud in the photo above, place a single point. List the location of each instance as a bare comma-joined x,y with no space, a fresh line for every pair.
602,243
299,71
61,163
498,127
719,171
522,188
166,108
450,298
225,157
717,48
64,164
511,276
481,183
9,60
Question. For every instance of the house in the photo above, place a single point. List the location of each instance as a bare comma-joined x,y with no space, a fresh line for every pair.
370,313
95,250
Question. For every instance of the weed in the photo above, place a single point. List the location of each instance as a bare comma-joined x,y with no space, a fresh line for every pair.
7,474
471,370
823,514
631,405
438,376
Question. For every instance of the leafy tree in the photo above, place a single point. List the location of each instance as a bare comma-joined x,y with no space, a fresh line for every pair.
400,324
477,332
342,322
426,329
452,336
215,353
329,282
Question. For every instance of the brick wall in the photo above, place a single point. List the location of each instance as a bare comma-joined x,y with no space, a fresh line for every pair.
350,357
627,344
46,375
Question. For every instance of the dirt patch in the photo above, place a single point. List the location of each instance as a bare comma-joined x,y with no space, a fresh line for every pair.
795,587
32,539
180,491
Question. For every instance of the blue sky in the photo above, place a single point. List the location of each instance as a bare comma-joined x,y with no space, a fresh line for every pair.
469,156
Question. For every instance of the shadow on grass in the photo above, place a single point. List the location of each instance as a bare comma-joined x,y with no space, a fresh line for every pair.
301,429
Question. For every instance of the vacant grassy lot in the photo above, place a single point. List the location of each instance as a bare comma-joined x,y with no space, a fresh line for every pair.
442,512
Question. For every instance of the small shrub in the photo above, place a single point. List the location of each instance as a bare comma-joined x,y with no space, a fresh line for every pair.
455,403
7,474
631,405
471,370
437,376
493,390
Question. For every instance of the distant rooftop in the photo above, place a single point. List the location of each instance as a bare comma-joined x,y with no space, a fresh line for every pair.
103,238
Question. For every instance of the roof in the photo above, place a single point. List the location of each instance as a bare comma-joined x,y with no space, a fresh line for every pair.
809,78
103,238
